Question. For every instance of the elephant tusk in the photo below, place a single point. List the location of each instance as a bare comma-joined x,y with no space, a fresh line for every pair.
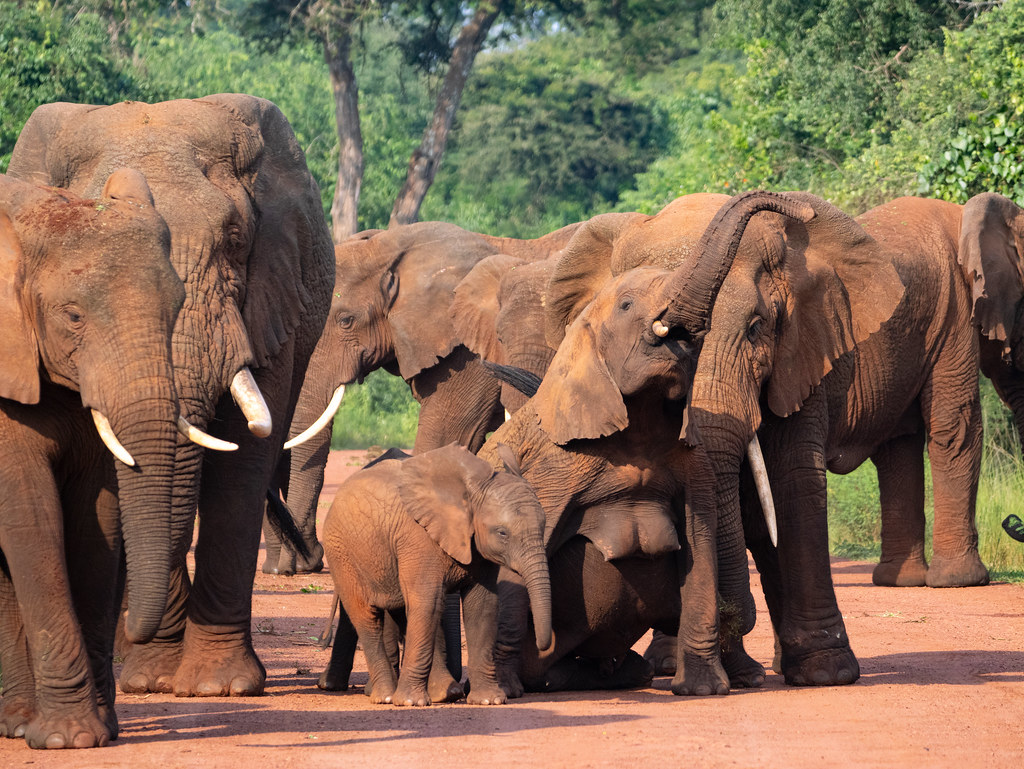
200,438
508,416
110,440
764,489
659,329
322,422
250,400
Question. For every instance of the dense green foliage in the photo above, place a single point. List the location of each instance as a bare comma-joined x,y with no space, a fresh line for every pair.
618,106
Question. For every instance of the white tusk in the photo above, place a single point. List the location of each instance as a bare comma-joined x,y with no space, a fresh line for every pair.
764,489
507,415
250,400
110,440
200,438
321,422
659,328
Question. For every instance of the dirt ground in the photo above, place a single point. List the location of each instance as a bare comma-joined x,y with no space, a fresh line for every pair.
942,684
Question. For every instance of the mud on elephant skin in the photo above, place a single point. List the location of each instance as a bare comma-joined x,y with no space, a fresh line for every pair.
400,534
88,299
390,309
249,239
630,507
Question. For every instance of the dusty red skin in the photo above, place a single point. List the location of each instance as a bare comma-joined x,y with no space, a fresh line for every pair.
942,684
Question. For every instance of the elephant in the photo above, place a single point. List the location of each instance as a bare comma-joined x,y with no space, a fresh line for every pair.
88,300
609,446
392,293
251,244
832,341
402,533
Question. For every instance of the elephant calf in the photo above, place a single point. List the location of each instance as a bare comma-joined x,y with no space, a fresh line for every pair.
401,534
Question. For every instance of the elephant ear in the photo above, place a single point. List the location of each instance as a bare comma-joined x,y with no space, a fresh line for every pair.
990,253
475,308
583,267
39,155
292,248
842,288
434,258
578,399
436,489
19,359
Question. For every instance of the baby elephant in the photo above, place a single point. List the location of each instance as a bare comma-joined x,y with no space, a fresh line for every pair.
402,533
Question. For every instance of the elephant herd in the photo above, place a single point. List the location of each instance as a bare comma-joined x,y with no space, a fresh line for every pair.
611,416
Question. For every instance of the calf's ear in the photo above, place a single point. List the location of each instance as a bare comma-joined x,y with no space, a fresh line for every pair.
19,354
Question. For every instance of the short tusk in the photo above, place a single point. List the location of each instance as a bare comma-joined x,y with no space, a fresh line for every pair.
659,329
200,438
508,416
764,489
110,440
321,422
250,400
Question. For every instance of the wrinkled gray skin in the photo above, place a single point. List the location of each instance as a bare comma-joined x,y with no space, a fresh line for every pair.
815,346
390,309
401,534
88,299
249,239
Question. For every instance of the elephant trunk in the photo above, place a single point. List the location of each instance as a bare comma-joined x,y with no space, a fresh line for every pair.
143,416
693,289
534,570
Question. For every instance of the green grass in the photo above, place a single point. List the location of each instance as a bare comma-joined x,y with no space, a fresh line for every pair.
379,412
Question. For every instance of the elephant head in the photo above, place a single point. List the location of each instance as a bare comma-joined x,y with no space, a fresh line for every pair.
465,505
89,299
991,254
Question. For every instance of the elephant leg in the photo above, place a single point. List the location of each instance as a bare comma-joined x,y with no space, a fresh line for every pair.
512,624
815,647
441,686
369,624
335,677
93,548
65,714
18,704
661,653
300,473
900,466
954,451
424,605
480,602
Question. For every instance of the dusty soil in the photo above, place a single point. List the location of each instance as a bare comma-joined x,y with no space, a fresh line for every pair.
942,684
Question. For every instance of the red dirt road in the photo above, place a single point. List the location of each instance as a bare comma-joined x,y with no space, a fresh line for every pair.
942,684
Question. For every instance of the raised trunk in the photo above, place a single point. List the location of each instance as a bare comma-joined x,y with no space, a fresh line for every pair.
426,159
695,286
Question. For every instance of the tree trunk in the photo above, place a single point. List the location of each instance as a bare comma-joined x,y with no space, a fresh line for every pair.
426,159
345,206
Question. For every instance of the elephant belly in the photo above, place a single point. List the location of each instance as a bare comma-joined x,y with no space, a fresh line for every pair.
604,607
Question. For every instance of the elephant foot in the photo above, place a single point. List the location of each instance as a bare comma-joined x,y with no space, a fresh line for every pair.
334,679
700,677
661,654
825,667
744,671
964,571
410,695
486,693
150,667
907,572
219,665
443,688
79,727
15,715
290,563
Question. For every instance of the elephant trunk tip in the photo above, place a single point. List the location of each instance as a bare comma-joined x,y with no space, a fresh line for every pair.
544,640
138,631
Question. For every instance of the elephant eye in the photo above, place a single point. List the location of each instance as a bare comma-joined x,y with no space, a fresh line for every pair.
501,532
626,305
754,329
346,321
72,316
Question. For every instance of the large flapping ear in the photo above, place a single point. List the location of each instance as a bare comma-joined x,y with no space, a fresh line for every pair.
990,253
40,156
436,489
290,269
578,398
435,257
19,356
842,287
583,267
474,310
130,185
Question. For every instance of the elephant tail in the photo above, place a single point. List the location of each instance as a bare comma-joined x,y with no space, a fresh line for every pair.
281,521
524,381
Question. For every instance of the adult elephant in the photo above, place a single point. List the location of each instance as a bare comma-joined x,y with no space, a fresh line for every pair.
390,309
630,507
249,240
88,299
